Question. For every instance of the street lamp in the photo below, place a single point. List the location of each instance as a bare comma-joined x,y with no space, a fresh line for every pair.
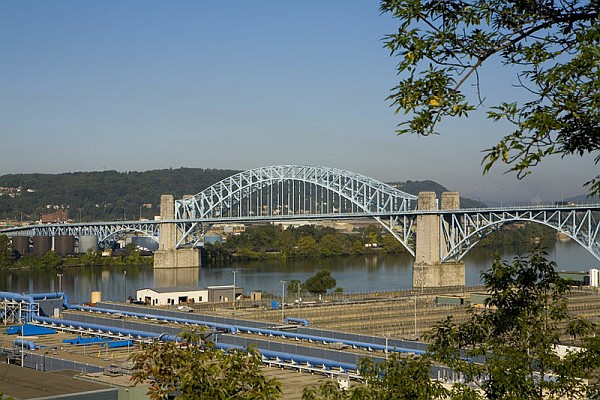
59,282
283,300
234,272
299,299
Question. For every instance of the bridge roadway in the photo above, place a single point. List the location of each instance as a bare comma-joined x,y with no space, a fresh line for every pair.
301,192
461,228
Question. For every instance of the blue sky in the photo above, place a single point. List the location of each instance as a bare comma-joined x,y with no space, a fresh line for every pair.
141,85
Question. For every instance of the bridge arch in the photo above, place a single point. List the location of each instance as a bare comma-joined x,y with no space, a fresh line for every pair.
580,225
291,191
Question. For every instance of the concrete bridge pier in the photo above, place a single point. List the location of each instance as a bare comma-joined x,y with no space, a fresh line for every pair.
167,256
428,269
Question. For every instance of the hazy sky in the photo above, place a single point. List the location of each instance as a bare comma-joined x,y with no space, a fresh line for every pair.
141,85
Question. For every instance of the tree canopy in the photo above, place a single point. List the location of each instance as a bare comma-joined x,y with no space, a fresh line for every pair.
396,378
320,282
506,351
196,369
553,47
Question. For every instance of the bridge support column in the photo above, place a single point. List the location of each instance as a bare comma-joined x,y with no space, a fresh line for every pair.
428,269
167,256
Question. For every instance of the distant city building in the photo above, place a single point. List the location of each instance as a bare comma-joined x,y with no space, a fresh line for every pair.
227,229
56,217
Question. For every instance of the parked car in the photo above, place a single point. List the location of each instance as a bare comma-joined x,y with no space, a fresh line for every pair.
185,308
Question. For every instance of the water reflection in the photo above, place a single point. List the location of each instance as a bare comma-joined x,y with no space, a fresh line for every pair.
353,274
169,277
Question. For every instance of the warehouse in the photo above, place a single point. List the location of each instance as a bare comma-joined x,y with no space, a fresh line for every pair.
172,295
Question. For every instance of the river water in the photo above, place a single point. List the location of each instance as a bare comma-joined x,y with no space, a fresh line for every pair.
354,274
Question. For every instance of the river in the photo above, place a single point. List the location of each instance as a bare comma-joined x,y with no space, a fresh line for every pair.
354,274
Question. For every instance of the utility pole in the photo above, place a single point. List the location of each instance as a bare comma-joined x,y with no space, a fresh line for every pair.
283,300
234,272
299,299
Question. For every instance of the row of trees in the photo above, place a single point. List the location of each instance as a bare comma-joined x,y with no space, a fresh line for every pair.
315,241
518,234
308,241
505,351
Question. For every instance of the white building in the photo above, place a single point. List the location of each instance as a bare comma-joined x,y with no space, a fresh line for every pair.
172,295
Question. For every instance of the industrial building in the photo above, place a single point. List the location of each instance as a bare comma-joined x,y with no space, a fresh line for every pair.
167,296
172,295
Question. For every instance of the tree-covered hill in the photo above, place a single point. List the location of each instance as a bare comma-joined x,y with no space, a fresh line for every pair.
112,195
104,195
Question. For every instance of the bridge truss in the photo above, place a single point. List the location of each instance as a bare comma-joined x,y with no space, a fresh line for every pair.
289,192
106,232
463,229
295,192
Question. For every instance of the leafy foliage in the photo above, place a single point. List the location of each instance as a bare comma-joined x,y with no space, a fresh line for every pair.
396,378
7,252
307,241
509,348
505,351
511,235
196,369
295,287
320,282
553,46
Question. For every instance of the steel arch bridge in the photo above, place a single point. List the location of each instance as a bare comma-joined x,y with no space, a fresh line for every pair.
290,192
462,230
295,192
106,232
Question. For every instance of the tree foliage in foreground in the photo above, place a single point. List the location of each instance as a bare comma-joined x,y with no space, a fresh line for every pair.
396,378
553,47
196,369
511,344
502,351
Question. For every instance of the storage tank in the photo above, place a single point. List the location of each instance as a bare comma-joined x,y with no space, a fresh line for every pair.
64,245
594,275
21,244
87,242
41,245
96,297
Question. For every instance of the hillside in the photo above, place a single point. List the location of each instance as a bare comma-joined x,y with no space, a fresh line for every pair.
414,187
106,195
112,195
